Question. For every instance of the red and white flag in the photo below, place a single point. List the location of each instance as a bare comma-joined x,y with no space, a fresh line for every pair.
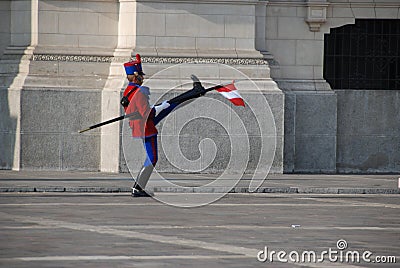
231,93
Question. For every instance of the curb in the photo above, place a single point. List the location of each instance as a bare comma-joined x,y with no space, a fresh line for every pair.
281,190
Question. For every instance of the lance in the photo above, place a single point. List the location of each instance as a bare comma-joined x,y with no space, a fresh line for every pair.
134,115
197,91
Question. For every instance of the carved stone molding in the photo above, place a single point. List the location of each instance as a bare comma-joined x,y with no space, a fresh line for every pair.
227,61
157,60
71,58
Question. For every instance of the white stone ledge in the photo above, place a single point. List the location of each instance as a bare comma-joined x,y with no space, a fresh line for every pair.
180,42
236,2
215,43
67,6
64,82
302,85
197,7
81,5
74,51
63,89
363,3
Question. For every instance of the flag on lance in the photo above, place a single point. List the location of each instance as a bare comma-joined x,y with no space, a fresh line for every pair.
231,93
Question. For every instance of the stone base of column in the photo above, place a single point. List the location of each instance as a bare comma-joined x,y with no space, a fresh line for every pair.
310,126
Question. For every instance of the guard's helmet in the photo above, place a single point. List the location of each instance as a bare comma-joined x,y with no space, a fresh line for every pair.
134,66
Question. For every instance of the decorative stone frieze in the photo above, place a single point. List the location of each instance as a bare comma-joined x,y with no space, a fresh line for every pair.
227,61
160,60
71,58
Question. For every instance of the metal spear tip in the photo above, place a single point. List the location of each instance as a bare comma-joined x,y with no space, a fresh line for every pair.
84,130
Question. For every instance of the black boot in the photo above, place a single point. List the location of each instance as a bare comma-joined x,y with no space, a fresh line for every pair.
140,193
197,91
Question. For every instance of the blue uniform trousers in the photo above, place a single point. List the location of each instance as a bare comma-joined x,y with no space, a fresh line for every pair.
150,143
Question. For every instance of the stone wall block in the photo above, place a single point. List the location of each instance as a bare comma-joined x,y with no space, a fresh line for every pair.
224,9
342,12
368,131
387,12
285,51
76,147
108,23
151,24
368,154
59,40
41,151
310,132
316,114
63,6
315,153
307,52
358,108
293,28
211,26
78,23
174,22
104,7
240,26
363,12
75,108
48,22
97,41
175,42
281,11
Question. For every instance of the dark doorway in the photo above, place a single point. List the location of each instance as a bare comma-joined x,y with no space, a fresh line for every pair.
364,55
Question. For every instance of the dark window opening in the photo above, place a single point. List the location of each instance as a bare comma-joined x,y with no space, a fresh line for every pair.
364,55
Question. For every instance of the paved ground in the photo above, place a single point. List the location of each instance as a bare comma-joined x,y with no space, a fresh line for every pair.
115,230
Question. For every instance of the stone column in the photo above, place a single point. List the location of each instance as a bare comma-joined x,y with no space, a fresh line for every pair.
14,69
111,94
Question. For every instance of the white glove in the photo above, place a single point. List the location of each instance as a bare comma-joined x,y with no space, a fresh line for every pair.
162,106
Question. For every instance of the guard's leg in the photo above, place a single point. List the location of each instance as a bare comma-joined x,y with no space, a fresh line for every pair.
197,91
150,145
141,180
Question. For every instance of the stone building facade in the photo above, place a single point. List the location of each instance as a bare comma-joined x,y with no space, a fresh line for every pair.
333,97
